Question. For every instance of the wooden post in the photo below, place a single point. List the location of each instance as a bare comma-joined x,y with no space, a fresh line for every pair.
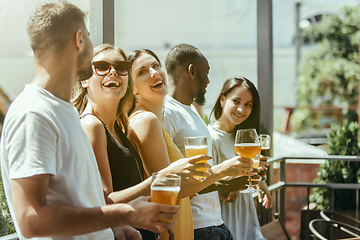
265,78
265,62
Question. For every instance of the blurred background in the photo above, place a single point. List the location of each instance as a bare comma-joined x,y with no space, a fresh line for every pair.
315,69
225,31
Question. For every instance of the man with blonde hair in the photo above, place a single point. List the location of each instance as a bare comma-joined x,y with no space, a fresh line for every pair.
51,178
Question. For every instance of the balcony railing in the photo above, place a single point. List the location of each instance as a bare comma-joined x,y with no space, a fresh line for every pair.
278,189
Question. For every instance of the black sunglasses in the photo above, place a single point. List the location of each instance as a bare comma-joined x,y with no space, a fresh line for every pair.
103,68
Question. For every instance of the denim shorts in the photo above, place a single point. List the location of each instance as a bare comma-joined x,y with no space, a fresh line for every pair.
213,233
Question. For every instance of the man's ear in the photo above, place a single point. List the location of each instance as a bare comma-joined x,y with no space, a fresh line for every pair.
191,70
85,83
79,41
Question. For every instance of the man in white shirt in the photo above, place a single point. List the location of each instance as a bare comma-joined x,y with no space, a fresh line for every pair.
51,178
187,70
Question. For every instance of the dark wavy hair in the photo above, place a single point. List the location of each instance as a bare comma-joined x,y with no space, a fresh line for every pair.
80,97
132,56
253,121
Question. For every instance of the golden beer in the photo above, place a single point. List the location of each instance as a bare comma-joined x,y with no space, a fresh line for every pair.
165,195
256,164
191,151
248,150
165,188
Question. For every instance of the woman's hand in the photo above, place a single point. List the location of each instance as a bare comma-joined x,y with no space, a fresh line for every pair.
236,166
228,196
264,195
187,168
263,163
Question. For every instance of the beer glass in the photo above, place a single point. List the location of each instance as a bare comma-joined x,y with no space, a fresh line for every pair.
196,146
165,188
265,141
247,144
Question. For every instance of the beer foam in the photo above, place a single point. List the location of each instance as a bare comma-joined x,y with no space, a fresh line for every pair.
196,147
166,188
247,144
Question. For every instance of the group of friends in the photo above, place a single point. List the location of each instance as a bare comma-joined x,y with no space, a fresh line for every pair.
85,172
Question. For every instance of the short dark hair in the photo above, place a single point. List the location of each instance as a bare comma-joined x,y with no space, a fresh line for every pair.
52,24
253,121
180,55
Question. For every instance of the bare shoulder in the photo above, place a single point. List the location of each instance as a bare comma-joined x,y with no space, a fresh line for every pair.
145,119
92,124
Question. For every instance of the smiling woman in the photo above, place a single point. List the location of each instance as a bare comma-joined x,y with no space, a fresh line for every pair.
103,101
153,143
110,60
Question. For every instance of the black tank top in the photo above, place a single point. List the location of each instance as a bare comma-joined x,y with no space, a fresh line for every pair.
125,165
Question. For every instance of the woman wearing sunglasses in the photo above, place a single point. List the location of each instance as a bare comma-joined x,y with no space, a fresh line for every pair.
102,102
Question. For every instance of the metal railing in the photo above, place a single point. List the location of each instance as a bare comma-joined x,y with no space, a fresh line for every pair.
13,236
279,188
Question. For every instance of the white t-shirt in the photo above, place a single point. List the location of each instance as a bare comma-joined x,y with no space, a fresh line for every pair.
42,135
240,216
181,121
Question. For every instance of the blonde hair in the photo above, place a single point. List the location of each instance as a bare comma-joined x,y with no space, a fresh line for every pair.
53,24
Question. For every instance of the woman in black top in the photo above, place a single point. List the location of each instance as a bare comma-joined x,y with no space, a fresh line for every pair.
125,163
102,104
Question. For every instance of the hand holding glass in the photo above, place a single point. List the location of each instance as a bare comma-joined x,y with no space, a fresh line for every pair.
165,188
247,144
196,146
265,141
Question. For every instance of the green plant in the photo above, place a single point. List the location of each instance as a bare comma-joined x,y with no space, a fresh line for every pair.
329,72
6,223
343,140
206,119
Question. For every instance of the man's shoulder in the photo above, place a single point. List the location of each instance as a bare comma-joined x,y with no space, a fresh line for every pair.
31,98
170,107
22,104
173,106
169,102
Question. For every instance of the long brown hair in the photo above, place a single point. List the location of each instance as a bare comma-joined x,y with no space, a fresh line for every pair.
80,97
253,121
